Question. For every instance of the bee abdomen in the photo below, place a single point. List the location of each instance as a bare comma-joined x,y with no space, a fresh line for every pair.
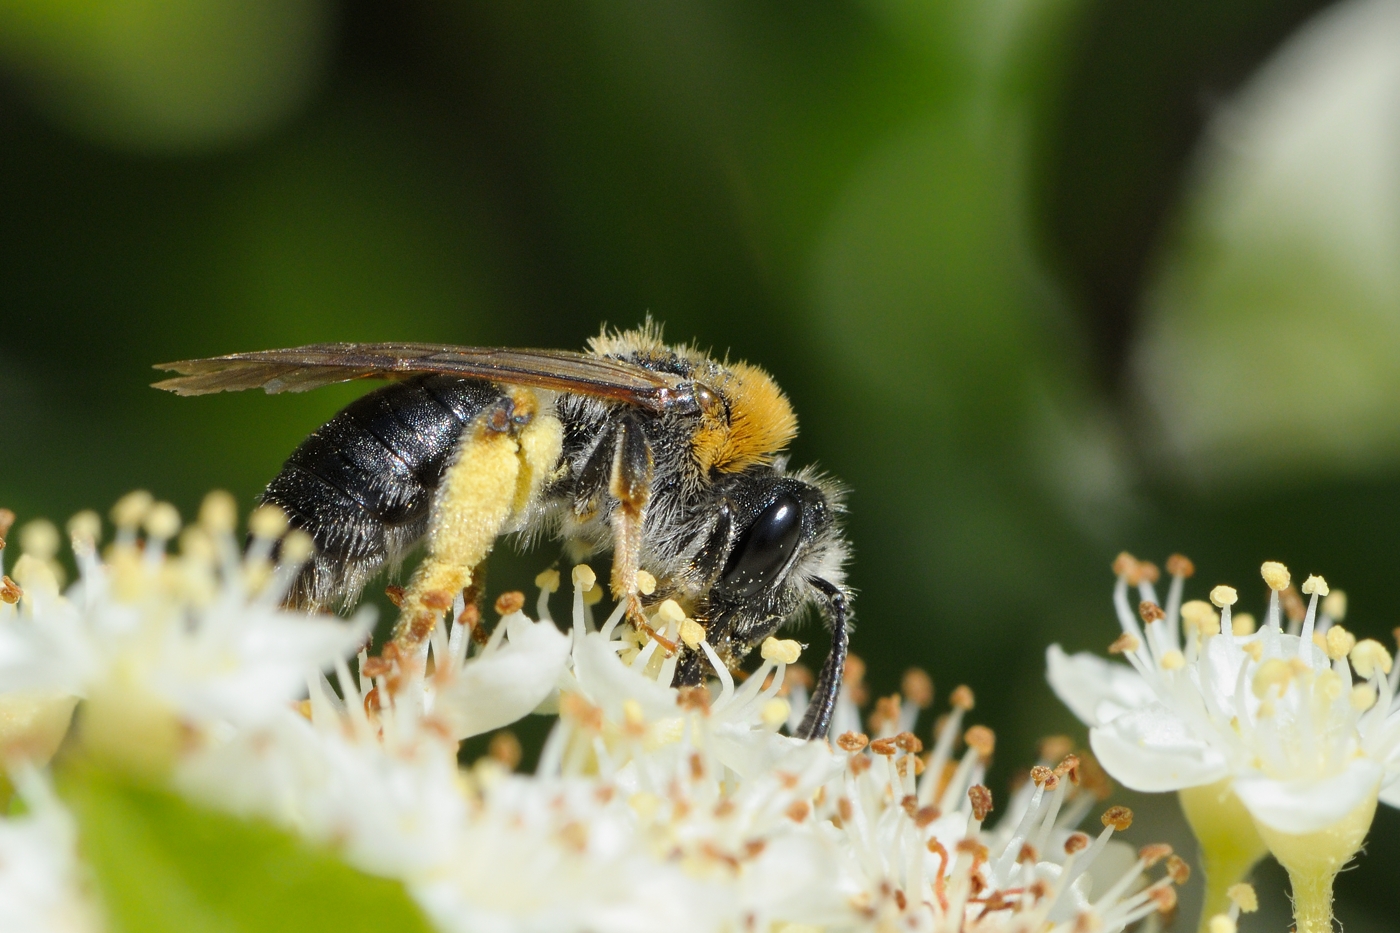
362,485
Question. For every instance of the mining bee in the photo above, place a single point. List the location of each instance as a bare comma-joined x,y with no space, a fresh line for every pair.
671,457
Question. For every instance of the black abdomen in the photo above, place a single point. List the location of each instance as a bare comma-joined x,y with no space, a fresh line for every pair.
362,485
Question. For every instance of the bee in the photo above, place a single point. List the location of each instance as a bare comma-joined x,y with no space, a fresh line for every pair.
672,458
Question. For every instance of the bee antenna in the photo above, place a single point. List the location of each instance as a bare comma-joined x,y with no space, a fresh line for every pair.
817,720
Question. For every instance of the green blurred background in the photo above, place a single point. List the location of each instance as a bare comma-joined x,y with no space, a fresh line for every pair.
1045,279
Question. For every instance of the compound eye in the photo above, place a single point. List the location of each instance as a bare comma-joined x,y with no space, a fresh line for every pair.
764,549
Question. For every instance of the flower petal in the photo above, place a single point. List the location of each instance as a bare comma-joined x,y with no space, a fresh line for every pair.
1095,690
1153,750
499,688
610,683
1308,806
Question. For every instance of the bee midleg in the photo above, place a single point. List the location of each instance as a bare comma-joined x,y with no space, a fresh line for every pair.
630,486
502,459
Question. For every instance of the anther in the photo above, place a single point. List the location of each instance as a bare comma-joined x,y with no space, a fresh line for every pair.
584,578
131,508
1040,774
1243,624
505,748
39,539
917,687
1198,616
1224,596
962,698
1274,672
1077,842
1125,565
1368,655
692,633
646,583
1055,748
85,528
1152,854
297,547
981,740
267,522
1363,697
1335,605
1179,565
981,799
909,742
1315,585
547,580
852,741
1244,897
1124,644
7,521
884,747
1221,923
1173,660
780,650
1120,818
218,513
1339,642
1276,575
162,521
1148,571
1150,612
10,591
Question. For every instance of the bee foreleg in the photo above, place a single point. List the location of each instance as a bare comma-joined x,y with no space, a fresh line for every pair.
817,720
502,458
629,484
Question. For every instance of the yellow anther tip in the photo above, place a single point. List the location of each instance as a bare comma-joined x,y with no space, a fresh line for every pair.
646,583
1242,624
40,539
692,633
547,580
584,578
1338,642
1244,897
297,547
1363,697
1221,923
775,712
267,521
1369,656
1315,585
781,650
86,526
131,508
670,611
1335,605
162,521
1276,575
1173,660
218,513
1224,596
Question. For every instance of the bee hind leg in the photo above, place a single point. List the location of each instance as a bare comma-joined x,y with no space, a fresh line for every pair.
816,722
629,484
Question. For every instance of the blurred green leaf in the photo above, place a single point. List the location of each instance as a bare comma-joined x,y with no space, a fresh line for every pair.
162,864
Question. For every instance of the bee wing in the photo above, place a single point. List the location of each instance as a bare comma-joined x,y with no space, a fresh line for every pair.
298,369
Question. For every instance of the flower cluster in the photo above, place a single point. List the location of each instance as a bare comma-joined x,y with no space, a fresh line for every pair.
650,807
1279,739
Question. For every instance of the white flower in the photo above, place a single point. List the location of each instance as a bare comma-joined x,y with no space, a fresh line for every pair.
1280,716
42,887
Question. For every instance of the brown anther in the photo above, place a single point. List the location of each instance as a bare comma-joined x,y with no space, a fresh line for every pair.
859,764
1164,898
1177,869
852,741
438,600
909,804
1149,572
505,748
900,900
1069,765
798,810
395,594
1093,778
1087,922
854,671
981,740
885,747
926,815
971,847
754,848
574,835
1124,644
603,793
694,699
886,713
479,633
724,808
7,521
697,766
981,799
1150,612
10,591
920,764
1077,842
376,667
1120,818
917,686
1055,747
372,704
1040,774
844,809
1125,565
1027,855
787,779
1179,565
1394,633
510,601
962,698
1154,853
581,711
1292,604
909,742
799,675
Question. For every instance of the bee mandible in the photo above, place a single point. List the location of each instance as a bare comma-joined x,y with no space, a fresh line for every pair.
672,458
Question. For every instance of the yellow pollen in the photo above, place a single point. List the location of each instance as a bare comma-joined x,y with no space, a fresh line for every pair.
1254,650
584,578
1224,596
86,527
692,633
131,508
218,513
39,539
644,804
162,521
646,583
593,597
1242,624
1275,574
780,651
297,547
1339,642
1363,697
632,712
1172,660
1198,616
267,522
1244,897
1335,605
775,712
1220,923
1315,585
548,580
670,611
1368,655
1328,685
1274,672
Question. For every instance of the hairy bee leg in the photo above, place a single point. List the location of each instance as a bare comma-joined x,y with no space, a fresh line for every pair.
629,484
502,459
816,722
